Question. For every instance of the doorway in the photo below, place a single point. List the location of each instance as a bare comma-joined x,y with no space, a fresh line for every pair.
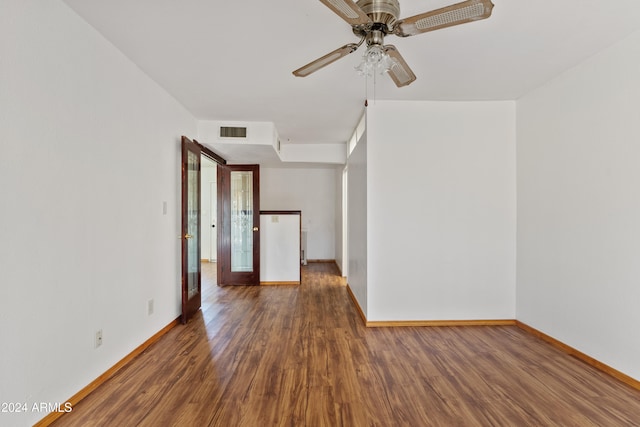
209,210
195,217
224,212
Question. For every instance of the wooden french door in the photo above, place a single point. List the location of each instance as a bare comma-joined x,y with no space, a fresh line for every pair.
191,274
238,225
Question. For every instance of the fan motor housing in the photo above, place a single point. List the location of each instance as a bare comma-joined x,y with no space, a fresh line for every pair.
381,11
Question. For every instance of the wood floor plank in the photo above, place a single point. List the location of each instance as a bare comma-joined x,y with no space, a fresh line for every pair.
301,356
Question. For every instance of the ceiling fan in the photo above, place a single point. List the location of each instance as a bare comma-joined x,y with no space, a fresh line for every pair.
372,20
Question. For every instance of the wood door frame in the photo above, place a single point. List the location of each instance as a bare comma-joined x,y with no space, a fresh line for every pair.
224,273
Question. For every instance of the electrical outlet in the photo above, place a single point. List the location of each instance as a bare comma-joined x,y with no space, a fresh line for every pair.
98,338
150,307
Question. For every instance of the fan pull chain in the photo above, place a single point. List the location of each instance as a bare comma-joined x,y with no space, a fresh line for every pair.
375,81
366,87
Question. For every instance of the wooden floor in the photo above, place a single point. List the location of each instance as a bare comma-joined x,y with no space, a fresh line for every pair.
301,356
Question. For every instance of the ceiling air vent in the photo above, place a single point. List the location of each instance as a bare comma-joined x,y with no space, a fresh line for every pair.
233,132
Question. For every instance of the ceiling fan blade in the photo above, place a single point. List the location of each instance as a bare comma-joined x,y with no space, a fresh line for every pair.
327,59
399,72
456,14
348,10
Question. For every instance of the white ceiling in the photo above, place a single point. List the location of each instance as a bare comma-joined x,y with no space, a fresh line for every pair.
232,60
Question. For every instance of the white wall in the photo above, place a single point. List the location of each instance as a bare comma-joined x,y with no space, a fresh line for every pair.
317,153
441,215
311,190
579,207
357,222
89,151
339,255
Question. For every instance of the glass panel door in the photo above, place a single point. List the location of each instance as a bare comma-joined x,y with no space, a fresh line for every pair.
241,221
191,274
238,222
193,223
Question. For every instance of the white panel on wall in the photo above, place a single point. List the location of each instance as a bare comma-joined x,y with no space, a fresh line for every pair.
279,248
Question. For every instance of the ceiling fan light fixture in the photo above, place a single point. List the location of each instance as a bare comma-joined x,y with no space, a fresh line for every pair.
374,61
